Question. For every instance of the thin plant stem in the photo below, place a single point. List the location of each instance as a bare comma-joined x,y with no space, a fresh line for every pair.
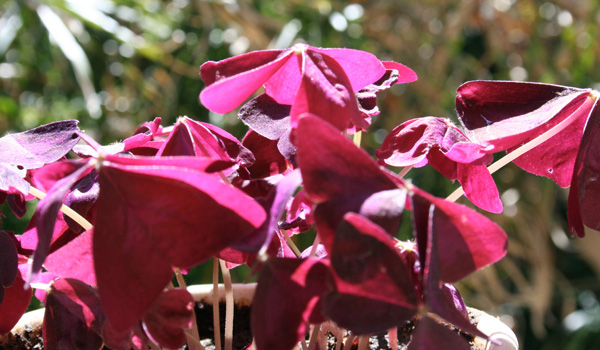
356,138
66,210
314,337
363,342
339,339
192,341
303,345
349,341
216,317
195,343
313,249
229,305
291,244
393,336
404,171
454,196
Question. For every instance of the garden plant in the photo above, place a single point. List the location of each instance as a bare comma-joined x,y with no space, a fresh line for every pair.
116,224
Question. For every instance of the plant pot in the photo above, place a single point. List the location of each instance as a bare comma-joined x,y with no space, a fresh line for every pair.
27,334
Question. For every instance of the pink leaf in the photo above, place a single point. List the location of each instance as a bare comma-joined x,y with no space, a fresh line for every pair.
325,91
230,82
74,260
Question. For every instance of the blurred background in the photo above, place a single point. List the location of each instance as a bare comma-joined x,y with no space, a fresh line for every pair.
113,64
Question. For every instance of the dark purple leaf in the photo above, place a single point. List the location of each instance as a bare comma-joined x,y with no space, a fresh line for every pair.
470,240
9,261
15,303
73,317
156,213
503,114
168,316
339,177
269,160
441,144
395,73
286,298
281,194
266,117
81,199
430,335
585,187
45,144
374,289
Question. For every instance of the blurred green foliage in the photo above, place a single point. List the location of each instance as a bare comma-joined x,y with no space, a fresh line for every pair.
114,64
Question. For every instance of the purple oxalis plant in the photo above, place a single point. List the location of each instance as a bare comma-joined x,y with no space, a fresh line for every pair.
116,223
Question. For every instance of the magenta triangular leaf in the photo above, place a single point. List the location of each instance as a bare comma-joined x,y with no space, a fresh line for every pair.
74,260
326,92
230,82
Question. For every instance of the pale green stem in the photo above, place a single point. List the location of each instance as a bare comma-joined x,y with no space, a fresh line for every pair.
216,317
404,171
349,341
66,210
193,336
340,339
357,137
291,244
229,305
530,145
363,342
393,336
313,249
314,336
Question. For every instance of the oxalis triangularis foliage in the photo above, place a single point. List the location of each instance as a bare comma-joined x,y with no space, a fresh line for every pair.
114,224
